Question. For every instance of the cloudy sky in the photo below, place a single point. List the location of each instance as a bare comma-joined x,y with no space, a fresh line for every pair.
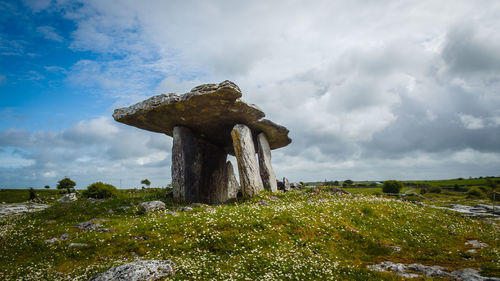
370,90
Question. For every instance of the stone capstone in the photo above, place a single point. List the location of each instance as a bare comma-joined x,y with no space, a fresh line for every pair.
209,110
146,270
244,149
265,167
150,206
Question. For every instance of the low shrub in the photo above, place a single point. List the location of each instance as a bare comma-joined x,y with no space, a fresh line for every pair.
392,186
435,189
474,192
100,190
32,193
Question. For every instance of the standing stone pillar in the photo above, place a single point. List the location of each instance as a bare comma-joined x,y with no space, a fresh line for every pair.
244,149
186,165
265,167
228,188
198,168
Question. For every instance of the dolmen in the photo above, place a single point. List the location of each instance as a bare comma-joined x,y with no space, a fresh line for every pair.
207,124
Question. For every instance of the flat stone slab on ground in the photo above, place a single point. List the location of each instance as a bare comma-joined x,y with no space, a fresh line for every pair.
18,208
138,271
210,110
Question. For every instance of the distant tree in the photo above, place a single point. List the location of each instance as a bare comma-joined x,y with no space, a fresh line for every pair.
336,183
66,183
32,193
348,182
146,182
392,186
47,186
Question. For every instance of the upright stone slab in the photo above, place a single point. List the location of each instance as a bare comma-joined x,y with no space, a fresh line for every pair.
244,149
286,184
265,167
228,189
198,168
186,165
213,172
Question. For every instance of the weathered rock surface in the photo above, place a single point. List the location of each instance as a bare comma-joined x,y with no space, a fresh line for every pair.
147,270
78,245
150,206
70,197
286,184
198,168
295,185
476,244
481,211
229,187
244,149
417,270
265,167
18,208
210,110
90,225
64,236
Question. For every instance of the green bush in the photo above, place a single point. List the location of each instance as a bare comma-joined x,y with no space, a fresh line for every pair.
474,192
392,186
32,193
435,189
100,190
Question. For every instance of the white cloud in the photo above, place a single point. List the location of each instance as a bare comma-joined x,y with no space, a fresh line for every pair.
471,122
49,33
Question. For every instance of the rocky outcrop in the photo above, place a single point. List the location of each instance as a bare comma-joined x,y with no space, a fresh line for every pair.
90,225
417,270
286,184
244,149
265,167
295,185
209,110
138,271
146,207
70,197
19,208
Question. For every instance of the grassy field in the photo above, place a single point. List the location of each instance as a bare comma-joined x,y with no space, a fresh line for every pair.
22,195
296,238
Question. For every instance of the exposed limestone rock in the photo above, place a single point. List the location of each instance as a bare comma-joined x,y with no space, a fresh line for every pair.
265,167
295,185
244,149
286,184
476,244
417,270
146,207
138,271
209,110
70,197
77,245
90,225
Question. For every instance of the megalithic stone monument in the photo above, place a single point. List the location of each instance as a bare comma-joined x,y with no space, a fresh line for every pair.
202,122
